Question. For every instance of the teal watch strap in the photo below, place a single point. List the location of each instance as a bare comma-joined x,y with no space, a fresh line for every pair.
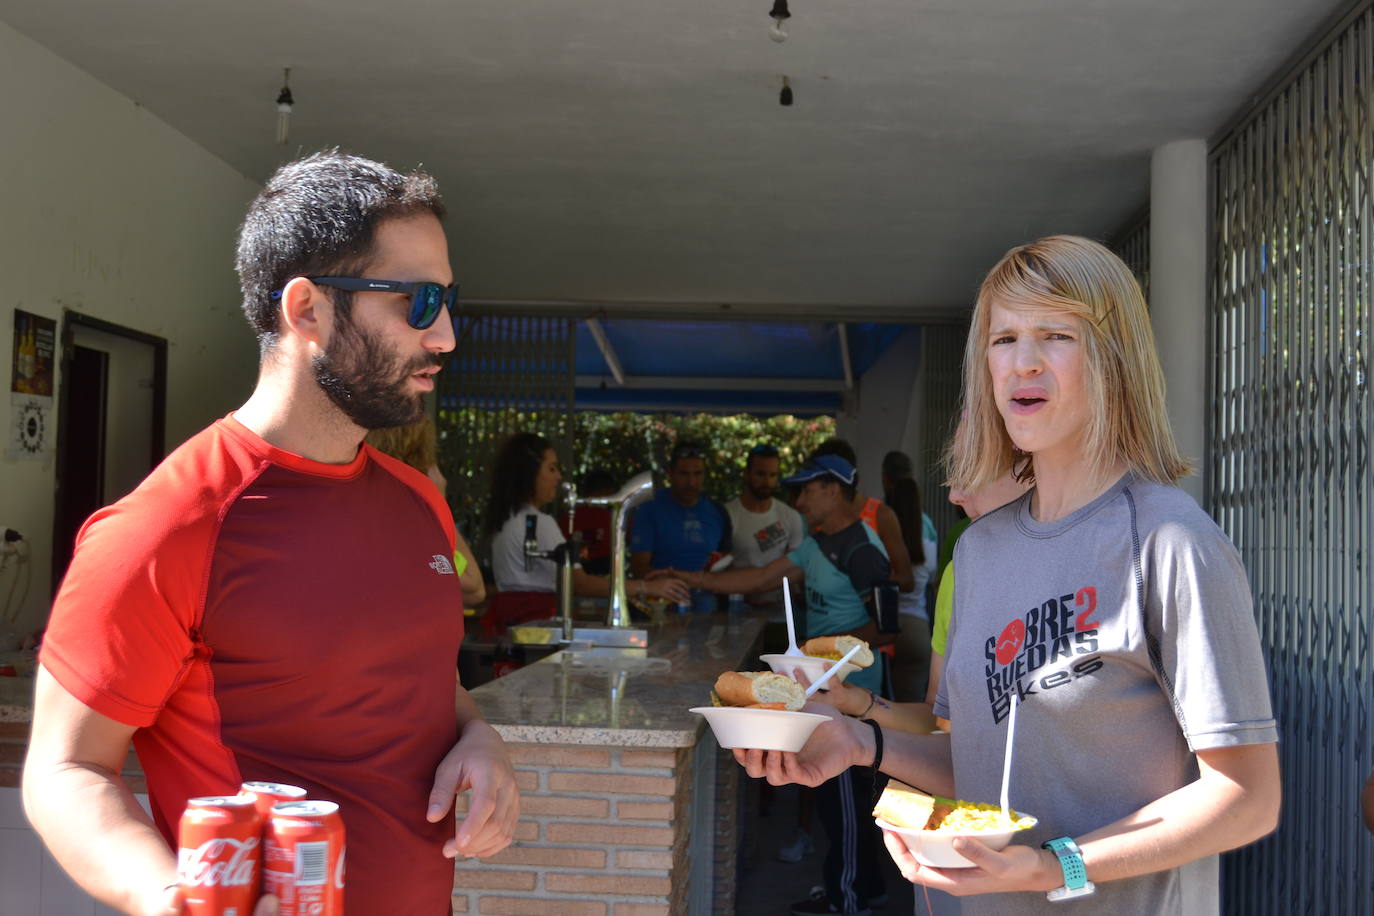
1076,883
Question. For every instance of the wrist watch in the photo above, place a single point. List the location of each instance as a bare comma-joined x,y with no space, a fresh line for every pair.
1076,883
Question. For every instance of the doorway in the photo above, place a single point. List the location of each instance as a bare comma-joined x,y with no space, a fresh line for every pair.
111,421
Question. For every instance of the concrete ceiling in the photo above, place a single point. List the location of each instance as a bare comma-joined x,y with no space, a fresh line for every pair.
626,151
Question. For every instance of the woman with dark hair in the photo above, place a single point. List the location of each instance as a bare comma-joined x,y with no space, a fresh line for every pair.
525,479
911,660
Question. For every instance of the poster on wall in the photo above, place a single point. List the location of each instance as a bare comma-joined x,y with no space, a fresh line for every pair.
31,384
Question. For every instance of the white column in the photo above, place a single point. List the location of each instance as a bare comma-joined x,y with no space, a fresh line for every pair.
1178,291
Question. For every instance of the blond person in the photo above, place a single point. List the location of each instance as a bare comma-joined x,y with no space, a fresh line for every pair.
1122,621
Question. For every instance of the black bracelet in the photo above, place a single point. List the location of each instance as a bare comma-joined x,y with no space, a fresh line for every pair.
879,779
872,698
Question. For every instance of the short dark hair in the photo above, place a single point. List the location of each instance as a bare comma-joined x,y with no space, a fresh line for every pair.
762,450
686,449
318,216
837,447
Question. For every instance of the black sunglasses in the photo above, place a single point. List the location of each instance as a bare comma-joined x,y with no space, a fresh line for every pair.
426,299
767,451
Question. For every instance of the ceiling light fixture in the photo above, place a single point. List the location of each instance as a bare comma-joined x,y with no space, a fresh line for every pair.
780,15
785,97
284,103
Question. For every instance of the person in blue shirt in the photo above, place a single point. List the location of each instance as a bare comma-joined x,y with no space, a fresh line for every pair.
842,562
680,527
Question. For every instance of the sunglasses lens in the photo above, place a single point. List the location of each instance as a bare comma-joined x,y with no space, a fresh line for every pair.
425,305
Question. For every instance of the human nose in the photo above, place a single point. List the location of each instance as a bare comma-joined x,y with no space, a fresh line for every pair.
1028,358
440,336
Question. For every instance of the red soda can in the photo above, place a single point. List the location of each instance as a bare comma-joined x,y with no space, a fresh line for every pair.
303,862
268,794
220,842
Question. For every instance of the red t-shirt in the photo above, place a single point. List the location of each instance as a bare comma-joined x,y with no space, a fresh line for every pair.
258,615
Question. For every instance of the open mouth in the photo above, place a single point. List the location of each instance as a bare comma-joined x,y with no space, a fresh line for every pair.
1027,402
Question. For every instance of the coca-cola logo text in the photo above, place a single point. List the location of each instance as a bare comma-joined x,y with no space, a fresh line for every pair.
207,865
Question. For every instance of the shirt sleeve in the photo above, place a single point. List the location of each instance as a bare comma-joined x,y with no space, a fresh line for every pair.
120,635
803,554
549,535
867,566
727,529
642,529
792,523
1202,638
944,607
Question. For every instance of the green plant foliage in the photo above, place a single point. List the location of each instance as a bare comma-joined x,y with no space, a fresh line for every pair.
623,444
626,443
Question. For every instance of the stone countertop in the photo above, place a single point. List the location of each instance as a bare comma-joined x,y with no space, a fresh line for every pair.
640,702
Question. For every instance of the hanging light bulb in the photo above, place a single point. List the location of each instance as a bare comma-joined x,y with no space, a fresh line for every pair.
785,97
780,15
284,103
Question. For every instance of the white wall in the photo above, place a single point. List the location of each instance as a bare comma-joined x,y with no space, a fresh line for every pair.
107,211
886,410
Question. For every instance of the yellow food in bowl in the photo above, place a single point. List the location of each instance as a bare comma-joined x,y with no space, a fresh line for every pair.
833,656
970,817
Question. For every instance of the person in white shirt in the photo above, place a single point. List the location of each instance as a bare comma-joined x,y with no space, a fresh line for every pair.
763,528
525,479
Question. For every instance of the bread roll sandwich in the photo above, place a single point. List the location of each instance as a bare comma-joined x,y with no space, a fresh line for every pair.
834,648
902,806
759,690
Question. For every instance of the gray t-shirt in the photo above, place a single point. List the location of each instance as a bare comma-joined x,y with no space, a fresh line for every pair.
759,538
1127,630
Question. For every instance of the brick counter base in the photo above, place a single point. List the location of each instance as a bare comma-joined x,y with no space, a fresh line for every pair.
603,831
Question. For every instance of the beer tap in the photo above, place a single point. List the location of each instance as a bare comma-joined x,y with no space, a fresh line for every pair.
636,490
565,555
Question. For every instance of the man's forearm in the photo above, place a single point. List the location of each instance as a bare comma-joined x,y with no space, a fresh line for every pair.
96,830
467,709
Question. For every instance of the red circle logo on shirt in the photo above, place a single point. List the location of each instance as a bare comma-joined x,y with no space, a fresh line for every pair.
1010,642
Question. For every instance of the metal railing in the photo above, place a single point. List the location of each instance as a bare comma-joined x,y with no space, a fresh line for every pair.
942,367
1289,472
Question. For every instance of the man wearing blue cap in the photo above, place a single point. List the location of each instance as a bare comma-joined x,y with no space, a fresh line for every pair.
842,561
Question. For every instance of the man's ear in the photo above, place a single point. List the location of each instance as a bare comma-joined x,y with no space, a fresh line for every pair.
306,312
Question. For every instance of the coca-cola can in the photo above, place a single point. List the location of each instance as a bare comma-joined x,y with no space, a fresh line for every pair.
268,794
303,858
217,863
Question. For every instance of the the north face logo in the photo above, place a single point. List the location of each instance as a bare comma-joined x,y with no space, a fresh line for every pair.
441,564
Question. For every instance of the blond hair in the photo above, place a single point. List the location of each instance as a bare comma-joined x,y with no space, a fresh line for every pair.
1128,419
417,444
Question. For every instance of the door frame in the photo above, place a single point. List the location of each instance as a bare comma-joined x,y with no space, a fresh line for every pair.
71,320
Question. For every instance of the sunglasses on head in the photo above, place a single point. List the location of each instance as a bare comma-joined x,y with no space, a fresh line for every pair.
767,451
426,299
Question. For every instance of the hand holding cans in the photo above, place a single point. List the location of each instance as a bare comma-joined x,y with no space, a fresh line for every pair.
268,834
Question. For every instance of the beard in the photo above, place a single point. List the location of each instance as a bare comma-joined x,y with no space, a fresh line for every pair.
367,383
760,493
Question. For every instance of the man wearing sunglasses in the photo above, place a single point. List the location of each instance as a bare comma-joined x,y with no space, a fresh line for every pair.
277,600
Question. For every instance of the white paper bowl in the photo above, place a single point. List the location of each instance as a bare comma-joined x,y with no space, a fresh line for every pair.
764,729
935,848
812,666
